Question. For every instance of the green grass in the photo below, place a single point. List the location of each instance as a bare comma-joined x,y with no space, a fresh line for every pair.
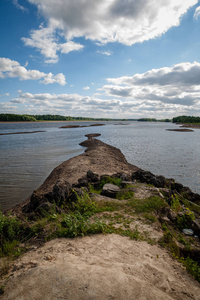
151,204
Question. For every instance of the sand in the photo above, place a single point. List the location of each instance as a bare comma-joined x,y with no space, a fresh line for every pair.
99,267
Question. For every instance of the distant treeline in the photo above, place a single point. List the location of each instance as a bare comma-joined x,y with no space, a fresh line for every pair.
153,120
34,118
186,119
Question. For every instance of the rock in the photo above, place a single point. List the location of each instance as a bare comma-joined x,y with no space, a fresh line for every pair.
188,231
172,215
110,190
59,194
124,184
61,191
82,182
148,177
196,226
92,176
158,181
92,135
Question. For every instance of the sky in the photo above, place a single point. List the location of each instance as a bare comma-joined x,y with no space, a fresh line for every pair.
103,59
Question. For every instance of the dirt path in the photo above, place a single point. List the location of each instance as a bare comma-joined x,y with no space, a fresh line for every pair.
99,267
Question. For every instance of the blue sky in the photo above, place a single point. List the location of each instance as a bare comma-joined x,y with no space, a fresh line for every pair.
108,58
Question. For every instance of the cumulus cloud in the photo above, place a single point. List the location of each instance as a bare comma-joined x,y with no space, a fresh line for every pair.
197,12
179,84
86,88
11,68
45,41
159,93
127,21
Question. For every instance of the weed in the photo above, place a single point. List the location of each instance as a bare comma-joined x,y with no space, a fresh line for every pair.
192,267
125,194
84,204
150,217
168,241
147,205
175,204
182,240
79,225
185,220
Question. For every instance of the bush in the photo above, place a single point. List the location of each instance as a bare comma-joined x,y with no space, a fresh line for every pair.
78,225
9,232
185,220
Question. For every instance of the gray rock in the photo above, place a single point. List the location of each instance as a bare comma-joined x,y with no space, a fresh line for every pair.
92,176
61,191
188,231
110,190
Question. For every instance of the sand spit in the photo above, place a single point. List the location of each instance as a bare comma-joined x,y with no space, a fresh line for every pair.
23,132
181,130
97,267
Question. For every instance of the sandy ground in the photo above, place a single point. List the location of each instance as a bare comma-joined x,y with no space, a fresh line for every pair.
99,267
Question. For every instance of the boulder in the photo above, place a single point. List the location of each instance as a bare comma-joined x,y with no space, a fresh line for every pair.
61,191
92,176
58,195
150,178
110,190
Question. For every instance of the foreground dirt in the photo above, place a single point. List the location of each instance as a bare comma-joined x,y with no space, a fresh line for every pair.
99,267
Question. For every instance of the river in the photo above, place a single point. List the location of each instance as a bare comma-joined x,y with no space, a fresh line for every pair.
27,159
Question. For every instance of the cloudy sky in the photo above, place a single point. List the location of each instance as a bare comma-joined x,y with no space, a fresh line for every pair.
107,58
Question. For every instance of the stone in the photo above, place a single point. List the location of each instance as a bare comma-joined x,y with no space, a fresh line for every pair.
150,178
61,191
158,181
92,176
188,231
110,190
196,226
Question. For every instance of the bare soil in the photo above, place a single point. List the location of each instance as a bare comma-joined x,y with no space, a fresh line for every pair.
99,267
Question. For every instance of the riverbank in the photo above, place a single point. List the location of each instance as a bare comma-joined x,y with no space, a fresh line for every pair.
139,219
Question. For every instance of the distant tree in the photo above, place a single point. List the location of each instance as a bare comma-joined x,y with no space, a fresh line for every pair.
186,119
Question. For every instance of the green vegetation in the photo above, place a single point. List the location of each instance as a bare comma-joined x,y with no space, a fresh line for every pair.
153,120
186,119
86,216
185,220
16,118
151,204
34,118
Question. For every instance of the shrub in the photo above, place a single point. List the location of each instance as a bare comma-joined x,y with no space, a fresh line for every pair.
185,220
175,204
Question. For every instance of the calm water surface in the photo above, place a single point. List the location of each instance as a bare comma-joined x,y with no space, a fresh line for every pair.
27,159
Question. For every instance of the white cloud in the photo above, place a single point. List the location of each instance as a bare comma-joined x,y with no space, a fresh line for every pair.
86,88
108,53
197,12
45,41
6,94
16,3
11,68
159,93
127,21
179,84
